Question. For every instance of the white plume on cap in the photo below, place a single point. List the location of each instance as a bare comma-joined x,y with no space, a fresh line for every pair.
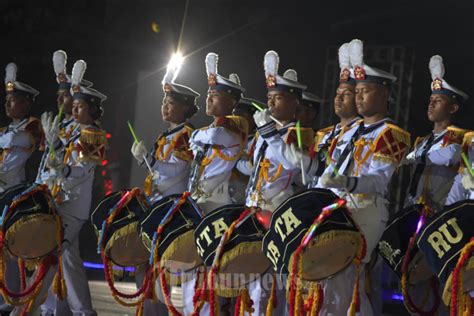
211,63
270,63
10,72
291,74
59,62
436,67
344,61
356,53
78,72
234,78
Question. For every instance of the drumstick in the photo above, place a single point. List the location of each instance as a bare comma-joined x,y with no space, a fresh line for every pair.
467,163
300,146
258,107
135,138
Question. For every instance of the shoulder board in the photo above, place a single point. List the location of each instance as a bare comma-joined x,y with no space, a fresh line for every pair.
307,136
454,135
236,124
391,144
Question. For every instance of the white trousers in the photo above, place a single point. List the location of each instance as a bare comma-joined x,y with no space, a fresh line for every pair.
338,290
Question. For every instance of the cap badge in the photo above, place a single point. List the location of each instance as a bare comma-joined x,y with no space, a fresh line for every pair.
359,73
212,80
345,74
271,81
437,84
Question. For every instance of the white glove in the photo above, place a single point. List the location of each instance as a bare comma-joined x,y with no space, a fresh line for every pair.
57,169
262,117
195,146
336,182
50,127
410,158
139,151
467,180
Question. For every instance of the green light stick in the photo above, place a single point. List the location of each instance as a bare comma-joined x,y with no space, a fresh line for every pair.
135,139
300,145
467,163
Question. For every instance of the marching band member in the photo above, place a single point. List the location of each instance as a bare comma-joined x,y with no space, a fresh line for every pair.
274,170
60,133
365,158
217,147
17,141
344,107
436,156
75,175
170,158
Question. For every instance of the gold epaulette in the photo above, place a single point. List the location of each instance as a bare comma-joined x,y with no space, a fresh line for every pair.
235,124
321,133
391,144
454,135
92,145
467,140
307,136
34,128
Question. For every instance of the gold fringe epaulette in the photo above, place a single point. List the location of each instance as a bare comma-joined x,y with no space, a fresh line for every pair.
34,128
391,144
454,135
307,136
468,138
236,124
321,133
92,145
93,136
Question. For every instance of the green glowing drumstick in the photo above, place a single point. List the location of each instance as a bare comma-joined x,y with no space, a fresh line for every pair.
467,163
132,131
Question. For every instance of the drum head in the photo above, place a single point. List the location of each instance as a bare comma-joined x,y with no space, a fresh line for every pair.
320,261
418,270
32,236
128,250
184,256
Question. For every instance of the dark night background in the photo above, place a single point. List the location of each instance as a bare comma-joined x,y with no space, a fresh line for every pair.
116,39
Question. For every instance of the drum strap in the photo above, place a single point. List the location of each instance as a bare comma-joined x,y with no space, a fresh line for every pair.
348,150
420,167
253,181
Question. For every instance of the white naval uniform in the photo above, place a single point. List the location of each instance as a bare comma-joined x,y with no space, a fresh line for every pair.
213,182
16,144
441,165
172,170
229,137
370,179
272,148
323,140
76,195
170,158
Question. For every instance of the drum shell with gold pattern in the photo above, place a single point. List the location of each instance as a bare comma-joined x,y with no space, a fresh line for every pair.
333,246
176,247
442,239
123,244
242,260
394,244
31,228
